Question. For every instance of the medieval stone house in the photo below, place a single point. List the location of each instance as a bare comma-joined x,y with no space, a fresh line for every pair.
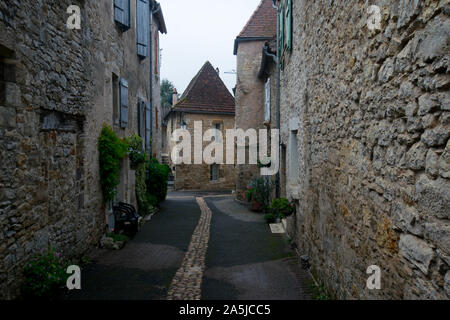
365,142
58,88
250,89
208,103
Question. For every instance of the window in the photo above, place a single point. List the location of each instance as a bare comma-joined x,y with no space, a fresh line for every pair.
217,132
293,158
214,172
122,13
288,30
267,102
116,98
123,103
281,17
148,123
142,27
156,120
140,116
156,46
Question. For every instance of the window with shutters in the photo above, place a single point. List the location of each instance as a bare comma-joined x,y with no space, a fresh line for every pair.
116,99
217,132
214,172
142,27
281,17
122,14
140,117
148,122
156,48
267,102
288,27
124,106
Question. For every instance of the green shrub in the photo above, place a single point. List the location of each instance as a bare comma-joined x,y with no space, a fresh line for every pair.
135,152
44,275
118,237
281,207
270,218
111,150
260,189
157,179
152,200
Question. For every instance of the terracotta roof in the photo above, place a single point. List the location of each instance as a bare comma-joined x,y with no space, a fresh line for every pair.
206,93
263,22
261,25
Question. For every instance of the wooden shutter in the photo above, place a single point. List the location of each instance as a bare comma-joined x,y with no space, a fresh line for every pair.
124,106
142,25
122,13
148,124
140,117
288,25
156,44
281,16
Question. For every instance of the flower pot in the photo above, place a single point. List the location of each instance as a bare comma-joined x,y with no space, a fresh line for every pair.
256,206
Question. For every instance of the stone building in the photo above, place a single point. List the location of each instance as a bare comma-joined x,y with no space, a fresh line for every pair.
208,103
250,89
365,125
58,87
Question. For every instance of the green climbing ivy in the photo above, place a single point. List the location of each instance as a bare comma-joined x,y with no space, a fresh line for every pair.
111,150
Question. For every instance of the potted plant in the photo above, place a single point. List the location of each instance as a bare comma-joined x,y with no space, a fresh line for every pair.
282,208
259,193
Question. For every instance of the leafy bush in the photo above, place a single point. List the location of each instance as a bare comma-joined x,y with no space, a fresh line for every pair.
118,237
44,275
152,200
260,189
157,179
281,207
270,218
111,150
135,152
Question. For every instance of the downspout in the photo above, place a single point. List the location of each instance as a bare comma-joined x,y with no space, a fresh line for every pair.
277,60
152,12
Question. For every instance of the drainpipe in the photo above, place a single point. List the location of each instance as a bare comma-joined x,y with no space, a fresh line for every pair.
277,60
152,12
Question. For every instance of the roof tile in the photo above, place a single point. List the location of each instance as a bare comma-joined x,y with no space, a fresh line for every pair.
206,93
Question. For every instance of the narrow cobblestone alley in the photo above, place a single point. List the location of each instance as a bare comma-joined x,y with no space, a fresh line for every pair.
204,246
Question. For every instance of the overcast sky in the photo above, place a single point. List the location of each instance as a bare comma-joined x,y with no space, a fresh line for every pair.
198,31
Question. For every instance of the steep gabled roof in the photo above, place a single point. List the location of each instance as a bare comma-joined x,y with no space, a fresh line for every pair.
262,25
206,93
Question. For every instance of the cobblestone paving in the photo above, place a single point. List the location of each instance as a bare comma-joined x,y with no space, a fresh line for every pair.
187,283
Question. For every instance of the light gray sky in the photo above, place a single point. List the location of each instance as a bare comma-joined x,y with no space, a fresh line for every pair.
198,31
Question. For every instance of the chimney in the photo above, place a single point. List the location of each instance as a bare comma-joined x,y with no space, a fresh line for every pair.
174,97
218,71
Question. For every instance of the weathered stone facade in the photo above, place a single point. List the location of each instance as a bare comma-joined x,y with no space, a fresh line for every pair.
249,103
206,102
248,48
58,90
198,176
369,112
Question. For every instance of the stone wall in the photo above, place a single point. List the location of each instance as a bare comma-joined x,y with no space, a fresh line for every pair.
196,176
249,102
56,95
370,111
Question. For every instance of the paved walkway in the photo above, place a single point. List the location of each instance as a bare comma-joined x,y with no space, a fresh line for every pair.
200,246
